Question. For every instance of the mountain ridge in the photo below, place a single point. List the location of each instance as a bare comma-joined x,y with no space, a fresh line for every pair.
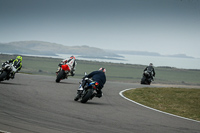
48,48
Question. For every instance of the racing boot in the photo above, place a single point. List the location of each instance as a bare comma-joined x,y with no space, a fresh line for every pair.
99,95
72,73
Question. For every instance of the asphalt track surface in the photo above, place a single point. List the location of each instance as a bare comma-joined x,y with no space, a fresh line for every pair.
37,104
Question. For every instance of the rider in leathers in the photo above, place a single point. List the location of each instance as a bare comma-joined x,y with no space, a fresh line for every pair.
151,70
98,76
17,63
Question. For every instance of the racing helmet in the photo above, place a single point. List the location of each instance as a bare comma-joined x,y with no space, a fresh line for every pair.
72,57
151,64
19,58
102,69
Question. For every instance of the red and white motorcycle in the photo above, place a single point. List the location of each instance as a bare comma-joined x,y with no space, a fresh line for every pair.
64,71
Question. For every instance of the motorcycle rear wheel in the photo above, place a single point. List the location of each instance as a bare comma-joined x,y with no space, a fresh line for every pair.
87,96
60,76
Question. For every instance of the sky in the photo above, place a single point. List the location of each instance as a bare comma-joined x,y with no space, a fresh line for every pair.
163,26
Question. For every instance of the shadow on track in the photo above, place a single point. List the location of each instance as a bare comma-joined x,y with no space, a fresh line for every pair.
90,103
6,83
67,83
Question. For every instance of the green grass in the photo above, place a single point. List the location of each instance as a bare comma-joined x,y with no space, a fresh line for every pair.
179,101
183,76
115,71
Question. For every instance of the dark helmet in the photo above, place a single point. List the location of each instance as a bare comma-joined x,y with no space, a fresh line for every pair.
151,64
102,69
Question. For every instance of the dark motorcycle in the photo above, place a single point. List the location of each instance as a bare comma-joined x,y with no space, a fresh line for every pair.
147,78
88,91
7,71
62,73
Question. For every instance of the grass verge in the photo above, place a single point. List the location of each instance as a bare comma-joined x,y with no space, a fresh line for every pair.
179,101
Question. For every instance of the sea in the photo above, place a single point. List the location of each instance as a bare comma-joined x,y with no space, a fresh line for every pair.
182,63
158,61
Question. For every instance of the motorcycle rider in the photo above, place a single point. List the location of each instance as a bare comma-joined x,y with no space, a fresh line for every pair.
98,76
17,63
71,62
150,70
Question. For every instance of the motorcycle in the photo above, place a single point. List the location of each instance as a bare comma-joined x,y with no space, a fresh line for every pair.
62,73
147,78
88,91
7,71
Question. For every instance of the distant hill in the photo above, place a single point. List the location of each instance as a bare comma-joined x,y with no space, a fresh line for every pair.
179,56
146,53
46,48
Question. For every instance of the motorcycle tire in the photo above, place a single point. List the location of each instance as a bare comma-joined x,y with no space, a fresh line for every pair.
143,80
77,97
59,76
87,96
3,75
149,82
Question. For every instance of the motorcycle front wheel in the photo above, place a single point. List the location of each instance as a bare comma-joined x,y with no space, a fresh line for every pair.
78,96
143,80
3,75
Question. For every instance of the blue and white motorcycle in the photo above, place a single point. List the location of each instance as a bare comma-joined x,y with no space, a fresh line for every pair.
88,91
